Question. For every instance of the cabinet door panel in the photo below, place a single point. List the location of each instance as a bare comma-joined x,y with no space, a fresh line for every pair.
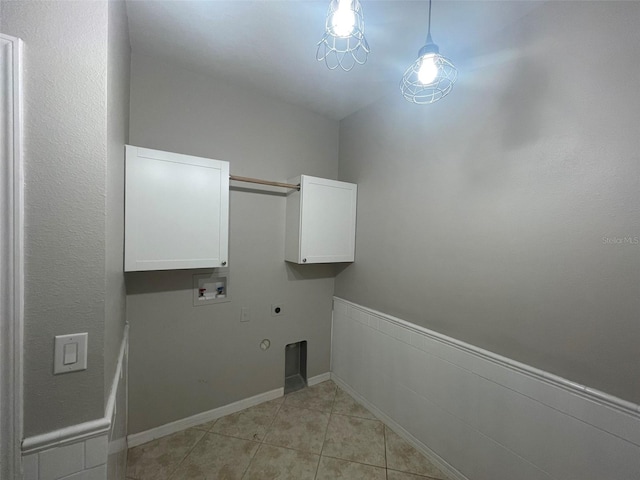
328,220
176,211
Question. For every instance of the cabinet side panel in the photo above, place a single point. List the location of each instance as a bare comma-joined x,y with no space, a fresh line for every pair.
129,243
292,232
223,229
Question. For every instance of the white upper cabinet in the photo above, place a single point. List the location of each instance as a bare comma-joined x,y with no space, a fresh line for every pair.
176,211
321,221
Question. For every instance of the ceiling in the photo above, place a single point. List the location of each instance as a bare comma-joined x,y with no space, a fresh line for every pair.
271,44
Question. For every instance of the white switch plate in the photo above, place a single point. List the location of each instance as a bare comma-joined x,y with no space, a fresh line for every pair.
245,314
80,339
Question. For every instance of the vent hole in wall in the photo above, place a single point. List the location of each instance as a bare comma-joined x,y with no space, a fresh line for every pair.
295,366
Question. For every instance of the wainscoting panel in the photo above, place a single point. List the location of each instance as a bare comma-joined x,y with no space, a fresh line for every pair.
480,415
81,452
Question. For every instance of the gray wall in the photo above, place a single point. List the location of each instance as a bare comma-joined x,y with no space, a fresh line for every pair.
65,59
482,216
184,359
119,60
76,74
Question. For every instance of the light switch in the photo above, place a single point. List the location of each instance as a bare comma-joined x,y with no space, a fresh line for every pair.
70,353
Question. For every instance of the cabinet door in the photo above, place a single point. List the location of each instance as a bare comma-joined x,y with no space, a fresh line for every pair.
176,211
327,220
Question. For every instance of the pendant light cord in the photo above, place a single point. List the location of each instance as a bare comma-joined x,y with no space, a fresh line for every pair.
429,26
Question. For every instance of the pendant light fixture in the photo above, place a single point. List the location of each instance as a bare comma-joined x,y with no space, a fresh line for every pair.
431,77
343,44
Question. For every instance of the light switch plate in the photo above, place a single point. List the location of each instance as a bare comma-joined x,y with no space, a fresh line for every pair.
77,342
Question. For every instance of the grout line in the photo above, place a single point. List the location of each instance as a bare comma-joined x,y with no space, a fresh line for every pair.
386,463
273,420
246,469
261,442
324,438
289,448
359,463
187,454
213,424
360,418
233,436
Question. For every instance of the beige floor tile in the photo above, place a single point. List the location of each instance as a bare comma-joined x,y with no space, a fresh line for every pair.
345,404
356,439
157,459
272,463
393,475
335,469
403,457
298,428
250,424
217,457
319,397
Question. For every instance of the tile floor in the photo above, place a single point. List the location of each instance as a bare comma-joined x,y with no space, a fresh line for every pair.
319,433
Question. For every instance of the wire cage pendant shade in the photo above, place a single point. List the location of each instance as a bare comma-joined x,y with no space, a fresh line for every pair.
343,43
431,76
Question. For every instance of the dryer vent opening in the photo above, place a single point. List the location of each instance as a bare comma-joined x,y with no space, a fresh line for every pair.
295,366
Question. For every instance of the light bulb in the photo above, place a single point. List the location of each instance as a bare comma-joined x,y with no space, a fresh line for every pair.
343,20
428,70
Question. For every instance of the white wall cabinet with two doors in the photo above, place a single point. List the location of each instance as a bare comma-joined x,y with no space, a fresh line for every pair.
176,211
177,214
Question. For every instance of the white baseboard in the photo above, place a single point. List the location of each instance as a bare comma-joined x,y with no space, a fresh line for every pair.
439,462
204,417
200,418
319,379
486,415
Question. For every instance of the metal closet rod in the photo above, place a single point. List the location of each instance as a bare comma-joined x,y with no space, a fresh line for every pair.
263,182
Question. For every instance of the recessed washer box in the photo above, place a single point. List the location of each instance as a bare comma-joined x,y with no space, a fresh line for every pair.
210,288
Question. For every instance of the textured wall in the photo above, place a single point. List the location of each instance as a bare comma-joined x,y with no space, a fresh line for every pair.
488,209
119,60
185,359
65,59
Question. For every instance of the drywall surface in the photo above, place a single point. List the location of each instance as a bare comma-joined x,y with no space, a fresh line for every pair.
65,60
184,359
119,60
508,214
